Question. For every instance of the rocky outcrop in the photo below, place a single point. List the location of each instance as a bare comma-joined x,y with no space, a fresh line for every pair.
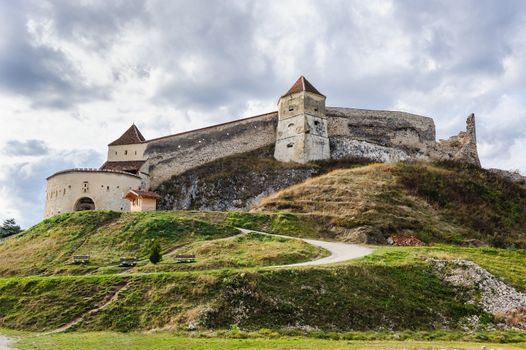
485,290
513,176
234,183
229,193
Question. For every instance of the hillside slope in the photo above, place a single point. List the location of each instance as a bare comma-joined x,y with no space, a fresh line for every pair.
48,248
436,202
238,182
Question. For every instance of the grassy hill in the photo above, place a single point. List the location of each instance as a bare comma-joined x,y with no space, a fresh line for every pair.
48,248
447,203
396,289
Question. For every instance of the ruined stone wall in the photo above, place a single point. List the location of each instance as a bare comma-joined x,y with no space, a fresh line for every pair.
390,136
173,155
461,147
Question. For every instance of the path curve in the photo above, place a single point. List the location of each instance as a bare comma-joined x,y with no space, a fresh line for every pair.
4,343
339,251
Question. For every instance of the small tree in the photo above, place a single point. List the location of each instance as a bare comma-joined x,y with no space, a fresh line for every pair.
155,252
9,228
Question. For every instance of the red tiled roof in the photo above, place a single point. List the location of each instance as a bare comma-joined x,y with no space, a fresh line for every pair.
302,84
128,165
130,137
143,194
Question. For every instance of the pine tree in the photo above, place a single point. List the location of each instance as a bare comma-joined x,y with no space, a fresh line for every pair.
9,228
155,252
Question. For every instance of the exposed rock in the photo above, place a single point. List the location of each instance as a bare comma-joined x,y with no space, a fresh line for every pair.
513,176
494,296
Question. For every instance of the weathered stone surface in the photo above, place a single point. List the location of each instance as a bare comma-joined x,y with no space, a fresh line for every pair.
461,147
513,176
173,155
302,128
493,295
225,186
343,148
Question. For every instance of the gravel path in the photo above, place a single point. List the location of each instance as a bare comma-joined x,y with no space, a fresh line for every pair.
4,343
339,251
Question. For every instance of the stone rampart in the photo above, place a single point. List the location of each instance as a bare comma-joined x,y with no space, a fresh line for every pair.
385,136
175,154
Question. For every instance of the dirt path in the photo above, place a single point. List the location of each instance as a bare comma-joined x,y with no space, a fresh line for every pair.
339,251
4,343
90,312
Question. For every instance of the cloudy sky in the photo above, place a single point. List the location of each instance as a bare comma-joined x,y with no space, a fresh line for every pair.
75,74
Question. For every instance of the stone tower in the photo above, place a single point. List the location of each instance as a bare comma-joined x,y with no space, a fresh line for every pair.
302,125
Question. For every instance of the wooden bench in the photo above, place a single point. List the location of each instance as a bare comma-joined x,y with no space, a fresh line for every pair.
188,258
81,259
128,262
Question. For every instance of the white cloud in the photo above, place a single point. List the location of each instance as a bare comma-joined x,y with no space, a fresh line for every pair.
75,75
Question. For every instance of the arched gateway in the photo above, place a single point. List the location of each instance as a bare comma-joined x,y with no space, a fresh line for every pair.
85,203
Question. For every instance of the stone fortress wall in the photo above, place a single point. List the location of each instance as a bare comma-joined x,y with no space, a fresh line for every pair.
301,130
175,154
385,136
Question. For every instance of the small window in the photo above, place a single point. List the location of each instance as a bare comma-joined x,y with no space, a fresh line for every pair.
107,188
291,125
316,123
115,152
117,186
315,109
122,208
291,108
135,152
125,152
290,145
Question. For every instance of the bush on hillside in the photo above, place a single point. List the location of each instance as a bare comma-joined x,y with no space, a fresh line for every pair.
9,228
155,252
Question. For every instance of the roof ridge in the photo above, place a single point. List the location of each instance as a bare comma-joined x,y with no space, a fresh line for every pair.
131,136
303,85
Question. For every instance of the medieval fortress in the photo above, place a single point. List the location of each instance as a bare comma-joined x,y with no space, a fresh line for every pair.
303,129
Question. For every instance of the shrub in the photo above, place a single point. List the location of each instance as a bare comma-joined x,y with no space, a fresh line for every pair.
155,252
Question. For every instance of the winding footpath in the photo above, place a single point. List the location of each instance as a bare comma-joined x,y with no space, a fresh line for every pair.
4,343
340,251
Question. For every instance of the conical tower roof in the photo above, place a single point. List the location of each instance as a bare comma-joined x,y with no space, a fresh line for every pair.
130,137
302,84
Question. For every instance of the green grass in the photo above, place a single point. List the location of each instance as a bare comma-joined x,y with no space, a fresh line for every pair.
252,250
508,264
282,223
160,341
361,297
48,247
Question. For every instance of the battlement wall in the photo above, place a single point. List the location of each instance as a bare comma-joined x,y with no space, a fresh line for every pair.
385,136
175,154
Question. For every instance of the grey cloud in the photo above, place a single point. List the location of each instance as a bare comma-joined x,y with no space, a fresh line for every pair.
26,148
43,74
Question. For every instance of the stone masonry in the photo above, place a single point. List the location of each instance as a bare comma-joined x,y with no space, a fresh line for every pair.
303,129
